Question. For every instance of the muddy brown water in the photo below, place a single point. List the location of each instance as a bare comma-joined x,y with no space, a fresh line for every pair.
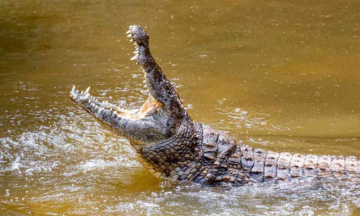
280,75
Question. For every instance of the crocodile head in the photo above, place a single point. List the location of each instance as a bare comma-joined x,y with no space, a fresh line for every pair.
161,115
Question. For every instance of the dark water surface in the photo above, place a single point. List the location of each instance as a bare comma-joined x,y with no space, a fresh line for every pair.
280,75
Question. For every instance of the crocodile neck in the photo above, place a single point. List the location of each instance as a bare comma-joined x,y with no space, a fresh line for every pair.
176,156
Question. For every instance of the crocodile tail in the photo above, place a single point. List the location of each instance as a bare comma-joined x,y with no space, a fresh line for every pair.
269,166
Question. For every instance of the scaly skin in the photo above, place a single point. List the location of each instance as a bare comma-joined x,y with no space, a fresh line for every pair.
171,145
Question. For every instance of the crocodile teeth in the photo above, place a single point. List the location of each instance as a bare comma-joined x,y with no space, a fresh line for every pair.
136,52
82,92
134,57
131,40
128,32
129,35
87,90
73,88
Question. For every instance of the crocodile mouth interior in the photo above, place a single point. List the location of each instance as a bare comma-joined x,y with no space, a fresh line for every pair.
96,108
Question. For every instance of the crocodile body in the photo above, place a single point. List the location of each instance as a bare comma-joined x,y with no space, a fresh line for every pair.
211,157
172,145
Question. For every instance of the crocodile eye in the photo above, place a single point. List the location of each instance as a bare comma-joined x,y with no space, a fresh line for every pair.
167,89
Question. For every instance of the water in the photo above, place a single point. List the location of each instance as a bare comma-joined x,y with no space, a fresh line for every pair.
280,75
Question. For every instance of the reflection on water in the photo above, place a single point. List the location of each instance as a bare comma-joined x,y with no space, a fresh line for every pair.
278,75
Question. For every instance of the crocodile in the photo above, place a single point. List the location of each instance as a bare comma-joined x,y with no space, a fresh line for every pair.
173,146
